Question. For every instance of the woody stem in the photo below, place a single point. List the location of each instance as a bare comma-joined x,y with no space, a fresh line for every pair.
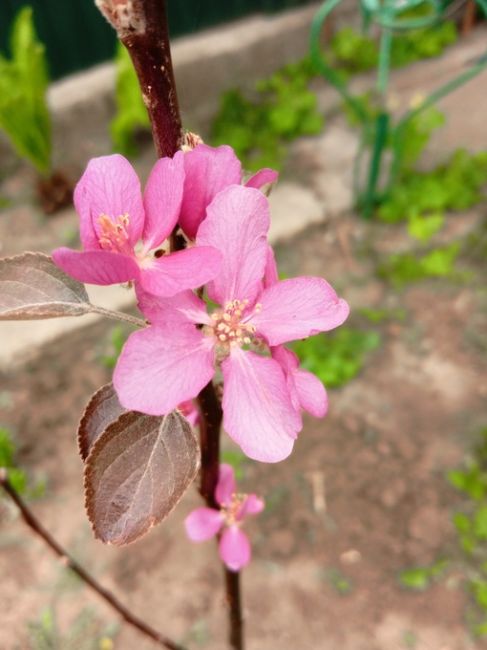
210,426
142,27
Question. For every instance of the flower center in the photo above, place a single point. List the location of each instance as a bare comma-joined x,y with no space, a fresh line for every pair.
113,235
231,510
229,328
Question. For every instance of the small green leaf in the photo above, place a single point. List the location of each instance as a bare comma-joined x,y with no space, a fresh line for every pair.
415,578
24,114
131,114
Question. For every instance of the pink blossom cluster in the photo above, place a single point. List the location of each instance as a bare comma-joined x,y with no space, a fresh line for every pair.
215,308
226,521
253,313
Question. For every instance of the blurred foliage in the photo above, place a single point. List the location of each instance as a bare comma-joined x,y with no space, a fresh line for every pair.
402,268
85,633
354,52
420,578
118,336
471,525
377,316
282,108
455,185
338,357
17,476
24,114
131,114
237,459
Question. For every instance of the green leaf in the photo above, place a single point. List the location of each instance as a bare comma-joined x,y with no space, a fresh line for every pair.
338,357
24,114
415,578
480,523
282,109
131,113
424,227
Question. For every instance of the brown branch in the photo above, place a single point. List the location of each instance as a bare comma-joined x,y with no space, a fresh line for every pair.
209,425
142,27
67,561
232,583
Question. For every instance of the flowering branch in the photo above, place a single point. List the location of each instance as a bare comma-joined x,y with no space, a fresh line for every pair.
35,525
142,27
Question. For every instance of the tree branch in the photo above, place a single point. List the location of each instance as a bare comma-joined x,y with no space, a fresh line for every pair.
39,530
142,27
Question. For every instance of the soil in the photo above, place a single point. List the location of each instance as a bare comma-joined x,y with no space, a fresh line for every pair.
362,497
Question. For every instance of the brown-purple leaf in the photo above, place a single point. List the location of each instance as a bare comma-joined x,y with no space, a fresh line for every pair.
102,409
33,287
136,472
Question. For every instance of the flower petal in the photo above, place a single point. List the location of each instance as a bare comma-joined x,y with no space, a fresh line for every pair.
109,186
311,393
307,391
265,176
163,196
237,225
226,485
183,308
190,412
96,267
234,548
208,171
270,275
203,524
251,506
297,308
160,367
257,410
186,269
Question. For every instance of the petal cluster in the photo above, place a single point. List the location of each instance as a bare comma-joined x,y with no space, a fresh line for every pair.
122,231
235,328
204,523
264,391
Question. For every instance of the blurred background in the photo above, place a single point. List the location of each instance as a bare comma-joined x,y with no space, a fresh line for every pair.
374,535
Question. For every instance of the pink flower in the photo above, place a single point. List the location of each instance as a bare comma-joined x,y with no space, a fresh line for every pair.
205,523
208,171
173,359
114,218
305,389
190,412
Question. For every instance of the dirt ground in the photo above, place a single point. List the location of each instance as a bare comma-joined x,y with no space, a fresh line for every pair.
362,497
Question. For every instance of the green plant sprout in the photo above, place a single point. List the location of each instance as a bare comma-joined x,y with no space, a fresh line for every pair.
131,113
283,108
378,130
403,268
471,525
419,578
337,358
17,476
24,114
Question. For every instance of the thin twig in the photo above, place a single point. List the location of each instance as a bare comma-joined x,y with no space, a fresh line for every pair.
37,528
